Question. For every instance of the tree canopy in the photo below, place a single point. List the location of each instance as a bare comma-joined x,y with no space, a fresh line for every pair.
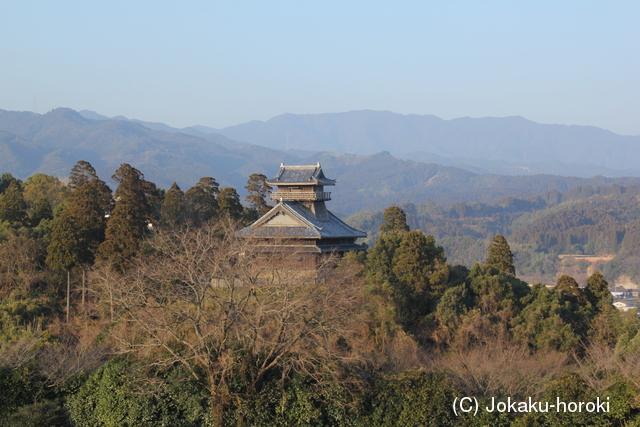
229,203
13,208
201,202
500,256
173,211
130,217
258,190
80,228
394,220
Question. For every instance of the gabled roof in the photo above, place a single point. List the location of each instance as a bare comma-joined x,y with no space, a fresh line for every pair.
292,220
303,174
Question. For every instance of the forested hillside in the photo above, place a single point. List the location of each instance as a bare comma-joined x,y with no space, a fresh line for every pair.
142,306
586,220
51,144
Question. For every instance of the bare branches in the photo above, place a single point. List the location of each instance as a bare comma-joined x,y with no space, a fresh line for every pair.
603,366
75,350
219,304
502,368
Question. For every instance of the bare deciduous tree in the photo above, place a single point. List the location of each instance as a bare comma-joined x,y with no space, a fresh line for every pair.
602,366
76,348
225,307
19,267
501,368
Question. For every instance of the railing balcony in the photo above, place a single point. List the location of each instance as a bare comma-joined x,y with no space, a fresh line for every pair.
307,196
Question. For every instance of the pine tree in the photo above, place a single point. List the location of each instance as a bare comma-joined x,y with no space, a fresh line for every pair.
229,203
173,207
394,220
201,203
128,222
258,190
13,208
500,256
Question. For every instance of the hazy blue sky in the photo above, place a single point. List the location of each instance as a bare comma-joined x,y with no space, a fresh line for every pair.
223,63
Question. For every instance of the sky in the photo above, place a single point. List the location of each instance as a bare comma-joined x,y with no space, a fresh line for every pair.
221,63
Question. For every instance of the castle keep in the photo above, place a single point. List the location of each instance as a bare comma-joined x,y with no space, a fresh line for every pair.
300,222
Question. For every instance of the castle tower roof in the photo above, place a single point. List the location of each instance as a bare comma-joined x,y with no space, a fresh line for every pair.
301,175
301,215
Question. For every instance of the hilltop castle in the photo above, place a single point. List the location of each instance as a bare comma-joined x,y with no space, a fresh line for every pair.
300,222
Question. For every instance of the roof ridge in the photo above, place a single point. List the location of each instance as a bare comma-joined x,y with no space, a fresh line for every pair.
300,166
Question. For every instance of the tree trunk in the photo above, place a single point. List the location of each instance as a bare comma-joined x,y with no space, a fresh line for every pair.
68,293
83,287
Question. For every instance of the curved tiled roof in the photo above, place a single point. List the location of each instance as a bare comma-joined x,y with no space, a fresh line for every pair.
302,174
310,227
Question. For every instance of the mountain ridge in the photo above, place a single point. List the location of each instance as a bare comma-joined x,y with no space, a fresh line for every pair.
514,140
52,143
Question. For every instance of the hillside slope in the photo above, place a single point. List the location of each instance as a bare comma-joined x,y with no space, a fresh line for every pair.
52,143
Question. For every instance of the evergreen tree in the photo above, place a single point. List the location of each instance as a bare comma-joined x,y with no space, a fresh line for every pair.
258,190
489,302
229,203
421,276
380,260
5,180
80,227
131,215
568,286
576,309
77,231
201,203
410,272
83,173
155,198
492,290
597,292
42,210
13,208
394,220
500,256
540,325
173,207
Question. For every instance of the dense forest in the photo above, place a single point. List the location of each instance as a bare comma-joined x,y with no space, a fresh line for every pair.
602,221
143,307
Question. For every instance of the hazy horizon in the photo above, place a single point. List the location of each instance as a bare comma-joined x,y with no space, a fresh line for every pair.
220,64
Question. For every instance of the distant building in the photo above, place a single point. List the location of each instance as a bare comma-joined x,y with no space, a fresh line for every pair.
299,227
622,306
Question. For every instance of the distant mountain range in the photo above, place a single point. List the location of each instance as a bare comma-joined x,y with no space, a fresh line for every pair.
510,145
372,178
51,143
